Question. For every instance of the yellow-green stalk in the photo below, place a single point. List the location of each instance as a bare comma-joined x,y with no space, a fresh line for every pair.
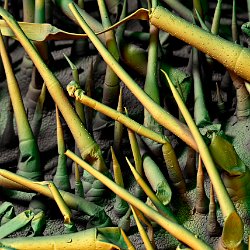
135,150
242,93
242,97
28,10
118,130
173,228
158,113
89,88
80,46
157,180
77,203
216,18
12,185
213,227
236,173
120,205
79,108
67,214
134,56
168,152
29,159
5,5
78,182
137,159
227,59
202,23
234,57
232,234
75,91
89,149
197,6
59,201
131,54
154,175
90,239
151,82
40,11
167,149
226,204
151,86
146,221
247,84
28,17
92,22
163,210
61,177
117,170
202,202
201,115
173,167
121,29
142,232
36,82
127,240
111,83
214,30
38,114
6,39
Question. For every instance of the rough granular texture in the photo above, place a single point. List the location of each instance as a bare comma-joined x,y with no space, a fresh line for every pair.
182,205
